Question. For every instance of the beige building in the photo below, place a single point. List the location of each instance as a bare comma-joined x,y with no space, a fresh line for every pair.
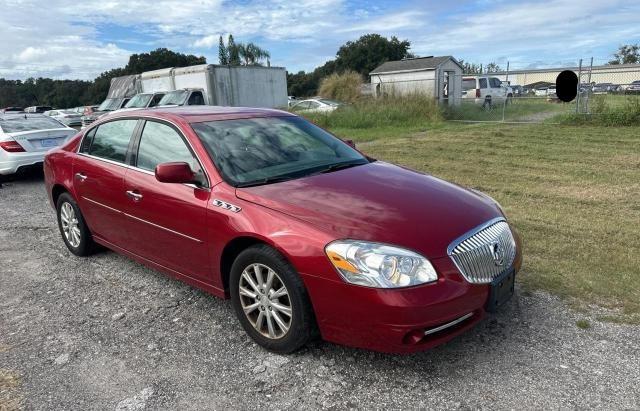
617,74
440,77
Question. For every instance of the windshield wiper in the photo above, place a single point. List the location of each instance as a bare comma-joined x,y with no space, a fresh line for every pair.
339,166
268,180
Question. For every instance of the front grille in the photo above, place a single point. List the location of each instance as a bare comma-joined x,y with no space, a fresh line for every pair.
485,252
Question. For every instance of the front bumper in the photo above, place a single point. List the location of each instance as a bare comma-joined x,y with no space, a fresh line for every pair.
400,320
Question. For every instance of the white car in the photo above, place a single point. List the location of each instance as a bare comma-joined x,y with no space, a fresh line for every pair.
25,139
316,105
485,90
66,117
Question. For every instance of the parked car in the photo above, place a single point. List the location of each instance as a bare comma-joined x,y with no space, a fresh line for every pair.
66,117
485,90
183,97
316,105
142,100
37,109
605,88
107,106
84,110
25,138
298,228
12,109
634,87
518,91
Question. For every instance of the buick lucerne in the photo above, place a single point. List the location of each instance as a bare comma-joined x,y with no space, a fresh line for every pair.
306,235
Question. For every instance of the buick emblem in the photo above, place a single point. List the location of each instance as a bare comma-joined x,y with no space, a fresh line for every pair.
497,252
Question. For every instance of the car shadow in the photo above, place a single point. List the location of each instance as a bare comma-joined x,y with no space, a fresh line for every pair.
33,174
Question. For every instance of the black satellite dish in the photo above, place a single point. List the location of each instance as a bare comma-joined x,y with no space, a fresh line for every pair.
567,86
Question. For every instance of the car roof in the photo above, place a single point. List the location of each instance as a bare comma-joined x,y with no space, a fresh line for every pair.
199,114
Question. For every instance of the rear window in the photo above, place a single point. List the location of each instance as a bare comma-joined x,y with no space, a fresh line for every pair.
468,84
483,82
29,123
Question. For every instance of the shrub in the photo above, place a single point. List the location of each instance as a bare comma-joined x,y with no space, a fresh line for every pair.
342,87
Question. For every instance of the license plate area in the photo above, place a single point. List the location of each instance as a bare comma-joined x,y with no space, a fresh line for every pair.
502,289
49,142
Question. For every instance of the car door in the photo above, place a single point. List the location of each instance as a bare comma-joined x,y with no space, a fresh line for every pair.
167,220
496,90
99,170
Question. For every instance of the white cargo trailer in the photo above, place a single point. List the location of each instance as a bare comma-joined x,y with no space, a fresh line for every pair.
249,86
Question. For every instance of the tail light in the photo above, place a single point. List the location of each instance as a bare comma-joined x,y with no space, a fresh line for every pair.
11,146
477,93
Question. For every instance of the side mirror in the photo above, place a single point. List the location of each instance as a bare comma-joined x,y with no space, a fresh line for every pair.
177,173
350,143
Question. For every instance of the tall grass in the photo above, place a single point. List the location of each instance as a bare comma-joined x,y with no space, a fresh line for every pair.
342,87
391,111
607,111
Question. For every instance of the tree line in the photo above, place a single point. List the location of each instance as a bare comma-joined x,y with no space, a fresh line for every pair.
360,56
72,93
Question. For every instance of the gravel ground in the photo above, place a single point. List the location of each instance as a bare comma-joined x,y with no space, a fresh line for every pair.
108,333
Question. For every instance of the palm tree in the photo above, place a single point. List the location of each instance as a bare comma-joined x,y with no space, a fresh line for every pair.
252,54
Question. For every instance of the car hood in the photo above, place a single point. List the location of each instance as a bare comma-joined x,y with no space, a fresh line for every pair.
380,202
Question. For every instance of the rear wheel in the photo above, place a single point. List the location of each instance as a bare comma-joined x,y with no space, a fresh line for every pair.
270,300
74,231
487,103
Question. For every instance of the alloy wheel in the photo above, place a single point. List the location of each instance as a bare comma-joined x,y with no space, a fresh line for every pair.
265,301
70,225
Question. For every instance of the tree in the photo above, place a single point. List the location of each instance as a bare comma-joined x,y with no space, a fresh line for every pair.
470,68
234,52
223,53
369,51
252,54
160,58
627,54
492,68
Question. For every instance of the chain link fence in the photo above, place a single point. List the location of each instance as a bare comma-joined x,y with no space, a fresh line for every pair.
525,94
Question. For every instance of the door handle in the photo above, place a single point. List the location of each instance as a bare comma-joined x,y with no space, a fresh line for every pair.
81,176
134,196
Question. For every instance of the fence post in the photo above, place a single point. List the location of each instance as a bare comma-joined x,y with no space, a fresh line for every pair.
586,105
578,97
504,104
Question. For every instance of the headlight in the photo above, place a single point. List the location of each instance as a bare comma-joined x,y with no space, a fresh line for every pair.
379,265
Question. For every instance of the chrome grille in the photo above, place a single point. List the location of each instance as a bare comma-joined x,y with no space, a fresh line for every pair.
485,252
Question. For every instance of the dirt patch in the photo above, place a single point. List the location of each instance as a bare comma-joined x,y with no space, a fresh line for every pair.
9,390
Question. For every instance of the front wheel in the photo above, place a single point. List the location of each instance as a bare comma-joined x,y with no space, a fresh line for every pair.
74,230
270,300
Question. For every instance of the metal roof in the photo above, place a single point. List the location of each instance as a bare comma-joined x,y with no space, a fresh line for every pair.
413,64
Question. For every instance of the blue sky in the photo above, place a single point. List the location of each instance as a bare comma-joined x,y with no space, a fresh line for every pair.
80,39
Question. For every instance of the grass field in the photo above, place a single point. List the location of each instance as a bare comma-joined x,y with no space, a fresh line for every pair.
572,192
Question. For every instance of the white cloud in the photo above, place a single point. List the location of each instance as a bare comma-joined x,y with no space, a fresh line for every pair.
71,38
206,41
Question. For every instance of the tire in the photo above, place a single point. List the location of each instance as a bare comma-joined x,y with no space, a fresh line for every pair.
80,243
267,305
486,105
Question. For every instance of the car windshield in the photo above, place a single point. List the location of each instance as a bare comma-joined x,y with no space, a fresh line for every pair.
110,104
139,101
174,98
257,151
21,123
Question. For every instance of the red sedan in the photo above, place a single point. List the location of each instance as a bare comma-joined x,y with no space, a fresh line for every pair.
305,235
